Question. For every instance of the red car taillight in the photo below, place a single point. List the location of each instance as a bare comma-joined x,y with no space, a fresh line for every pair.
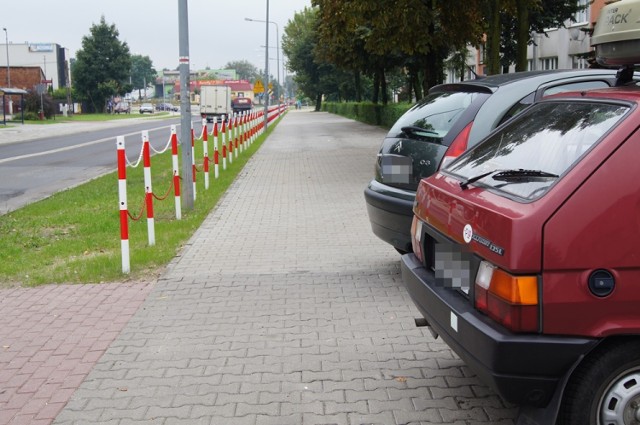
458,146
510,300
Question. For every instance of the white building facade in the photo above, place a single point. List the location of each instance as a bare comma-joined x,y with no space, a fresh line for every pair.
50,57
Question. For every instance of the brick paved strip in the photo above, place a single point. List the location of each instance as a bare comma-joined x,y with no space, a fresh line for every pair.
51,337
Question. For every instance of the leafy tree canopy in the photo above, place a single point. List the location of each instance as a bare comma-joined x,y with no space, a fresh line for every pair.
379,37
103,65
313,78
244,69
142,71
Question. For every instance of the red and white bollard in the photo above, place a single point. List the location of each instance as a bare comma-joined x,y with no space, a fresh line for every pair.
236,130
122,200
216,156
176,171
230,137
243,132
223,134
193,160
205,147
252,127
146,157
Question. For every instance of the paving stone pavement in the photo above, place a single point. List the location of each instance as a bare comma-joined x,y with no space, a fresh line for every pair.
50,339
284,308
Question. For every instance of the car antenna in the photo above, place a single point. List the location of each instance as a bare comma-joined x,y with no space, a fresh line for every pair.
477,77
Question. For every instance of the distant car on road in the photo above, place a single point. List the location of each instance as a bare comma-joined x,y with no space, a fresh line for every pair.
146,107
166,107
241,104
122,108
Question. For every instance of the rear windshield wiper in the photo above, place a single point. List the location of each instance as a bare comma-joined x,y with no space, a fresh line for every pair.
509,175
414,130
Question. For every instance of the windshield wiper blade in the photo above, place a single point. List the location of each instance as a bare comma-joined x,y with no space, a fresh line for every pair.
506,175
470,180
522,174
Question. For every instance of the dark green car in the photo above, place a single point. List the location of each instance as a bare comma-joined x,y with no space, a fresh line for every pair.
448,121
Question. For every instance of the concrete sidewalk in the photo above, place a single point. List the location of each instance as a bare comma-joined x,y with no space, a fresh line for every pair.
283,308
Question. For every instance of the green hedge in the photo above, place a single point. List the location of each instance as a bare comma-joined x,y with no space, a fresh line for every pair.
370,113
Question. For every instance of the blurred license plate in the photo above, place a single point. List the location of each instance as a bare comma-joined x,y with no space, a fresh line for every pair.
397,169
453,268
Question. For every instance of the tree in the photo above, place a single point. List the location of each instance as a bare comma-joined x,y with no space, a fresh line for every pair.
300,37
244,69
34,103
511,24
142,72
416,35
102,67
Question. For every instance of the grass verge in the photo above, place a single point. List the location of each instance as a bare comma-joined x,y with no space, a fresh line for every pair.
74,235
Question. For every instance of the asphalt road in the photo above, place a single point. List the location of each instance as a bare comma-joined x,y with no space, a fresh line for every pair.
37,161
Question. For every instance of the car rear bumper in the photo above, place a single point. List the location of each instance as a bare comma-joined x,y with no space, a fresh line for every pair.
390,214
524,369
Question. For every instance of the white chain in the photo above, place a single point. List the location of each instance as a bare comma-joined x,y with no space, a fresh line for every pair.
139,158
162,150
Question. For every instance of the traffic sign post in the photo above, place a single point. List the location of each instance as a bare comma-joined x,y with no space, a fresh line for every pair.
258,87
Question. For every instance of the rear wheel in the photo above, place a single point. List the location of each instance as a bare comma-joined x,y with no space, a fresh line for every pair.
605,388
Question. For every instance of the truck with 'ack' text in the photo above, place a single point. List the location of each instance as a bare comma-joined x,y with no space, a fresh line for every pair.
215,102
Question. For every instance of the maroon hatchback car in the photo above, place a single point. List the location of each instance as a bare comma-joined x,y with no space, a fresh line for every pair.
526,258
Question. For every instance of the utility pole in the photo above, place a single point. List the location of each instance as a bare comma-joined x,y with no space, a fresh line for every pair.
277,50
266,72
6,36
185,107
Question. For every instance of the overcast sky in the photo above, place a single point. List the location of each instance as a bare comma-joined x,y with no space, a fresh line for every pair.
218,31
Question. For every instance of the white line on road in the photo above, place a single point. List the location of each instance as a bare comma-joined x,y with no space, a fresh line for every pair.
68,148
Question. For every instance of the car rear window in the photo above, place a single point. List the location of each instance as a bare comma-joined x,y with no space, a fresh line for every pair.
546,140
436,113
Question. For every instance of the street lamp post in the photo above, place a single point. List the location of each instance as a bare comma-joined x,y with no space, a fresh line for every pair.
277,49
6,36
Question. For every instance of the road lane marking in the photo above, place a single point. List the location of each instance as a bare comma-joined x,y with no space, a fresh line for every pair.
68,148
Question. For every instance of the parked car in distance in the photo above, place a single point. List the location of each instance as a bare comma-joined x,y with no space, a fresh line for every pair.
146,108
122,108
449,120
166,107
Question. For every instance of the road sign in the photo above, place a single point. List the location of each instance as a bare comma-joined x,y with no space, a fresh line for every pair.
258,87
270,86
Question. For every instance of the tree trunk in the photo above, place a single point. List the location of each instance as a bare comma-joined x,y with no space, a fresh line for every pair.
413,83
522,35
383,87
376,86
318,102
358,83
434,65
492,53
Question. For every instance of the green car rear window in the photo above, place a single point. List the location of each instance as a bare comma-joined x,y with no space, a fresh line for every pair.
436,113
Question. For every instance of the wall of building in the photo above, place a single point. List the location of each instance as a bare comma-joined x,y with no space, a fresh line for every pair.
22,77
50,57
